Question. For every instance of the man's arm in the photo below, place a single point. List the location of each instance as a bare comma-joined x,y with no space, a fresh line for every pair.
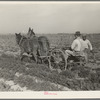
90,45
73,45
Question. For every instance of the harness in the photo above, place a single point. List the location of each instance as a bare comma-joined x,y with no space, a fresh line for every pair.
28,48
21,40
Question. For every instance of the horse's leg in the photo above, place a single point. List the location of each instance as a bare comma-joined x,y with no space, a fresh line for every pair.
35,56
21,54
40,60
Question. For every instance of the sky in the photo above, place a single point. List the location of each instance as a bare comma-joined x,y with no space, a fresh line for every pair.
49,17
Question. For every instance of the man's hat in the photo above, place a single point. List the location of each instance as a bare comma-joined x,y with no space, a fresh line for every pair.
77,33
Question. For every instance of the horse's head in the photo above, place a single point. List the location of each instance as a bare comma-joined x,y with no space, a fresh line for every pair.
18,37
30,32
29,29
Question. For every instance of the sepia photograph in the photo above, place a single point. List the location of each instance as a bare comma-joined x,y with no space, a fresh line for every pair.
49,47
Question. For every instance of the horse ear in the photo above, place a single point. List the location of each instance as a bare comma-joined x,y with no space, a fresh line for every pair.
32,29
19,33
29,29
15,33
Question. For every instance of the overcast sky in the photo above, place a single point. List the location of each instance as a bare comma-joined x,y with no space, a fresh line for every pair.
50,17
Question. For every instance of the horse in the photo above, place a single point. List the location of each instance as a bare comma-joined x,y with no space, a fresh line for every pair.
37,46
42,40
29,46
44,44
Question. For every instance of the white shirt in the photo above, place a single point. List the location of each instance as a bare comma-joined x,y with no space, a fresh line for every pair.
86,45
77,44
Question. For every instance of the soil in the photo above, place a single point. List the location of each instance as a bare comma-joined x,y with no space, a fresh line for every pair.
38,77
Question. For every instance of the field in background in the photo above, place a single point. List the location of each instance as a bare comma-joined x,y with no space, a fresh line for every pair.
10,67
9,42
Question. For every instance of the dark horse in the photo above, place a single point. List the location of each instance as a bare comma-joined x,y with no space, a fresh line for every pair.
44,45
29,46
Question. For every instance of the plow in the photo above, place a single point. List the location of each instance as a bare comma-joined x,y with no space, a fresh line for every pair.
54,57
56,60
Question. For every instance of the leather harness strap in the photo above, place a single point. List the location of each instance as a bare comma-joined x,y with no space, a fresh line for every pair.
21,40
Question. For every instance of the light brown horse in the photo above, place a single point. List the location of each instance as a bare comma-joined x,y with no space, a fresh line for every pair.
44,44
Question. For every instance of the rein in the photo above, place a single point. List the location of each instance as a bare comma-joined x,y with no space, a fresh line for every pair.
20,40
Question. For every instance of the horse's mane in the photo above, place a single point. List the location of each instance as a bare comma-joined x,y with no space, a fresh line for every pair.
43,37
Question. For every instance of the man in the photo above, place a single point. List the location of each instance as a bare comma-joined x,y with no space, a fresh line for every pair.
86,43
86,46
76,46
